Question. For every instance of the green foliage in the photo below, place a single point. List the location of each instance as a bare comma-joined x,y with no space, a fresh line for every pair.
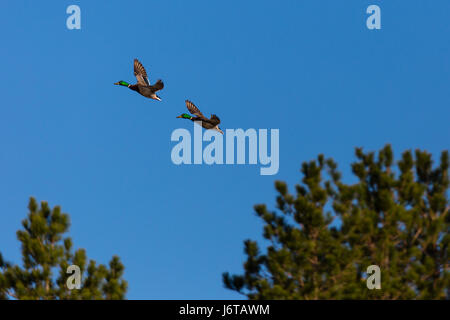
323,238
46,256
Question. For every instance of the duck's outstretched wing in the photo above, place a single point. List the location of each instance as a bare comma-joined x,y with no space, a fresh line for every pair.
194,110
214,120
157,86
140,73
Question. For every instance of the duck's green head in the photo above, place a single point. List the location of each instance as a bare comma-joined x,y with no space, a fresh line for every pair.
122,83
185,116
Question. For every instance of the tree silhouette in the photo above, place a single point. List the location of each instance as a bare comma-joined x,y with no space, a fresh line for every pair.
46,256
322,238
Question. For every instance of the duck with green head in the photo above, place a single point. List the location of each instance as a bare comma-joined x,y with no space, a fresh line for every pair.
209,124
143,85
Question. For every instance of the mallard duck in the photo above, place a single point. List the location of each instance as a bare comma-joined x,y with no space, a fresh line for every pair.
212,123
143,85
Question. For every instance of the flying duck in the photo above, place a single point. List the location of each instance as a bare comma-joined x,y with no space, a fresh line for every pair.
143,85
211,124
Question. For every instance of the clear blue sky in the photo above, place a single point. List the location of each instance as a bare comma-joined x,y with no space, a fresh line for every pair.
309,68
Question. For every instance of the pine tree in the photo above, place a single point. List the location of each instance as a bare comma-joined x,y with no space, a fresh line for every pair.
46,256
322,239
